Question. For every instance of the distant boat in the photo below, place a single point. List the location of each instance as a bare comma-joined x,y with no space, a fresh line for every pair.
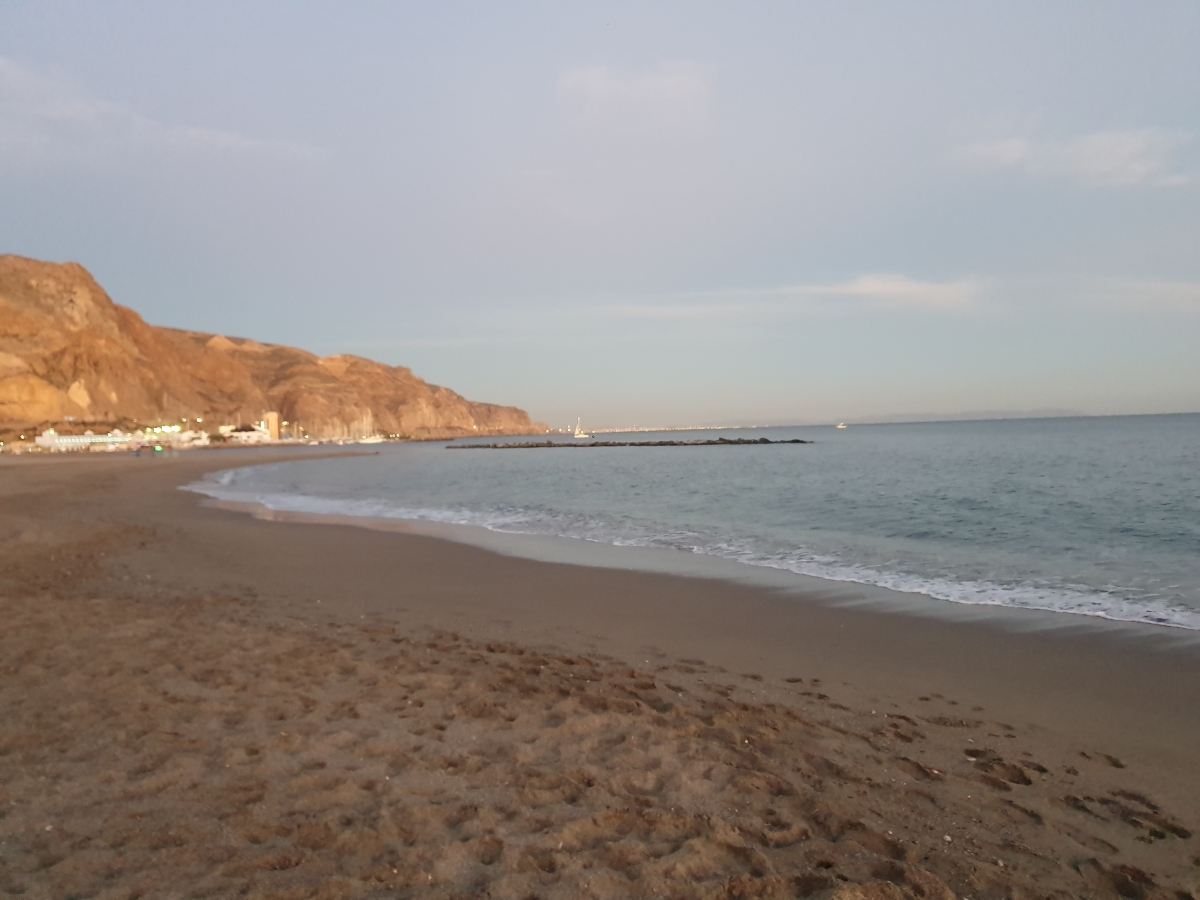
841,424
579,432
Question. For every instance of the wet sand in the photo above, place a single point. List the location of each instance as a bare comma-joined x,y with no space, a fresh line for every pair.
196,703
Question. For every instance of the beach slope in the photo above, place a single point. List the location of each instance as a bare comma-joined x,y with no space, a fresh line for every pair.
195,703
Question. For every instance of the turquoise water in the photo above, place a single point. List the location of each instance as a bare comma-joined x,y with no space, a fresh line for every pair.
1095,516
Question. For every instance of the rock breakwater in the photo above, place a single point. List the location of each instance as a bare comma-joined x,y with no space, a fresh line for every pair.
547,445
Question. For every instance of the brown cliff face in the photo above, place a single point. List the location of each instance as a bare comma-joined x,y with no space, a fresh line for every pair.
68,354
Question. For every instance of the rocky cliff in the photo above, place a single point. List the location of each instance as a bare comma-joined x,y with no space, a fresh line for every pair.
71,358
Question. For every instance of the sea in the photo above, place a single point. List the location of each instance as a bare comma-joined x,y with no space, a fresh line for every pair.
1088,516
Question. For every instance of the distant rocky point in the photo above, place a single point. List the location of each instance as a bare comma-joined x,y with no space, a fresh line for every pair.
72,359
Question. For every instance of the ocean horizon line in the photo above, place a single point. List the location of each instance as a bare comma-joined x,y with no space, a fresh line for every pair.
900,419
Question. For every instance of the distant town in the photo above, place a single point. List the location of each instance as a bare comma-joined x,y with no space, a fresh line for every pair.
186,435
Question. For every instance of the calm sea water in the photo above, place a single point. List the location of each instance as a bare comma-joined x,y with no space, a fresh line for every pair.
1096,516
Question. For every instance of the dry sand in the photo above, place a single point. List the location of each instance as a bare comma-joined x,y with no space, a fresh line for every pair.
194,703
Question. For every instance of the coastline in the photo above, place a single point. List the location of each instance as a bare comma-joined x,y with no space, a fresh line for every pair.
994,538
1112,691
667,561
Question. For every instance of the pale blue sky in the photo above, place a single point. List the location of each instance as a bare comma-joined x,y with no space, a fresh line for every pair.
663,213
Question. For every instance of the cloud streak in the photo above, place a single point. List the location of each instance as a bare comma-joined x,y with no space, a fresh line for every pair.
867,293
44,118
1106,159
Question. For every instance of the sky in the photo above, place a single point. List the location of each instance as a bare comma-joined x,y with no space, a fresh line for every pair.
647,213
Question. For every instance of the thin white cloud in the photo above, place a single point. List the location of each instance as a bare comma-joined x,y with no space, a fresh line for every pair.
672,94
44,118
899,292
1106,159
865,293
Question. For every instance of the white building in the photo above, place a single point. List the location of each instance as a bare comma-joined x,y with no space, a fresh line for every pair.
163,435
54,442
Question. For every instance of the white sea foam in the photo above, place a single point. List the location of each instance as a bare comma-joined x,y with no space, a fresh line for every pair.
1073,599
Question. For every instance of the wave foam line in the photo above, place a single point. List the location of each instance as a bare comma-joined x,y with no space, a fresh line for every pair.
1073,600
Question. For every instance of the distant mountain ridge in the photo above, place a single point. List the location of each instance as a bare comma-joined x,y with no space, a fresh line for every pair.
70,356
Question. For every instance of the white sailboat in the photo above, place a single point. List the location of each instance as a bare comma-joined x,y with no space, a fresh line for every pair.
579,432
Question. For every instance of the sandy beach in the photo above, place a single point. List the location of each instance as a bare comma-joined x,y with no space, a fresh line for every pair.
197,703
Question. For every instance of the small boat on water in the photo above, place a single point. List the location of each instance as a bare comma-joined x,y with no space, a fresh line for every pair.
841,424
579,432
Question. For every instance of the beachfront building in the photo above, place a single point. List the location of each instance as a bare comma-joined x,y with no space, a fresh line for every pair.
56,443
171,436
163,436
